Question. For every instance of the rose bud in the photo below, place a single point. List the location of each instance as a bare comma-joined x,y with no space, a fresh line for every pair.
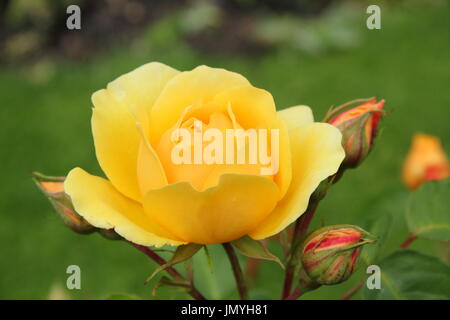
329,254
110,234
358,126
53,189
425,161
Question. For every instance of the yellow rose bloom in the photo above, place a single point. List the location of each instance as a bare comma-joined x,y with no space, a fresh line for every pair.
150,200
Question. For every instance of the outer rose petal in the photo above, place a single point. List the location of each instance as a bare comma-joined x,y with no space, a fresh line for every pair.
219,214
316,154
96,200
127,100
296,116
202,83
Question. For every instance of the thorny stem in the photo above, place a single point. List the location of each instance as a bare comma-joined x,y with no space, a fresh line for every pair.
405,244
350,293
192,290
301,227
237,271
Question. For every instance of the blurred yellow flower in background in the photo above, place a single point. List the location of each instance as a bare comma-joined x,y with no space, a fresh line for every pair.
425,161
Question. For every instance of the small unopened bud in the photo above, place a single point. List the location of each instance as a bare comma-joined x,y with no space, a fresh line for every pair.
53,189
110,234
329,254
425,161
359,127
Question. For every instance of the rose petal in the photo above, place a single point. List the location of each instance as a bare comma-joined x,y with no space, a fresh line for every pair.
219,214
255,109
201,83
97,201
296,116
126,100
316,154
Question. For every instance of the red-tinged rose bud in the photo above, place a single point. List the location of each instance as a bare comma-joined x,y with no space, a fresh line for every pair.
358,125
329,254
53,189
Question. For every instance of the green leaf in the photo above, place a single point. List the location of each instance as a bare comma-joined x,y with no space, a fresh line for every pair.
123,296
428,211
189,268
255,249
182,253
408,274
379,226
208,256
214,282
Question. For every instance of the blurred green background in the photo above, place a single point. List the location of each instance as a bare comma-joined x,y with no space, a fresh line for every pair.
317,53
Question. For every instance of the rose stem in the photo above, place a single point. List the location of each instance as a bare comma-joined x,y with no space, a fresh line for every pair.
350,293
155,257
408,241
301,226
237,271
193,291
174,273
294,295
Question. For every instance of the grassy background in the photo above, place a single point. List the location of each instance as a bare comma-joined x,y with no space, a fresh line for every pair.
46,127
